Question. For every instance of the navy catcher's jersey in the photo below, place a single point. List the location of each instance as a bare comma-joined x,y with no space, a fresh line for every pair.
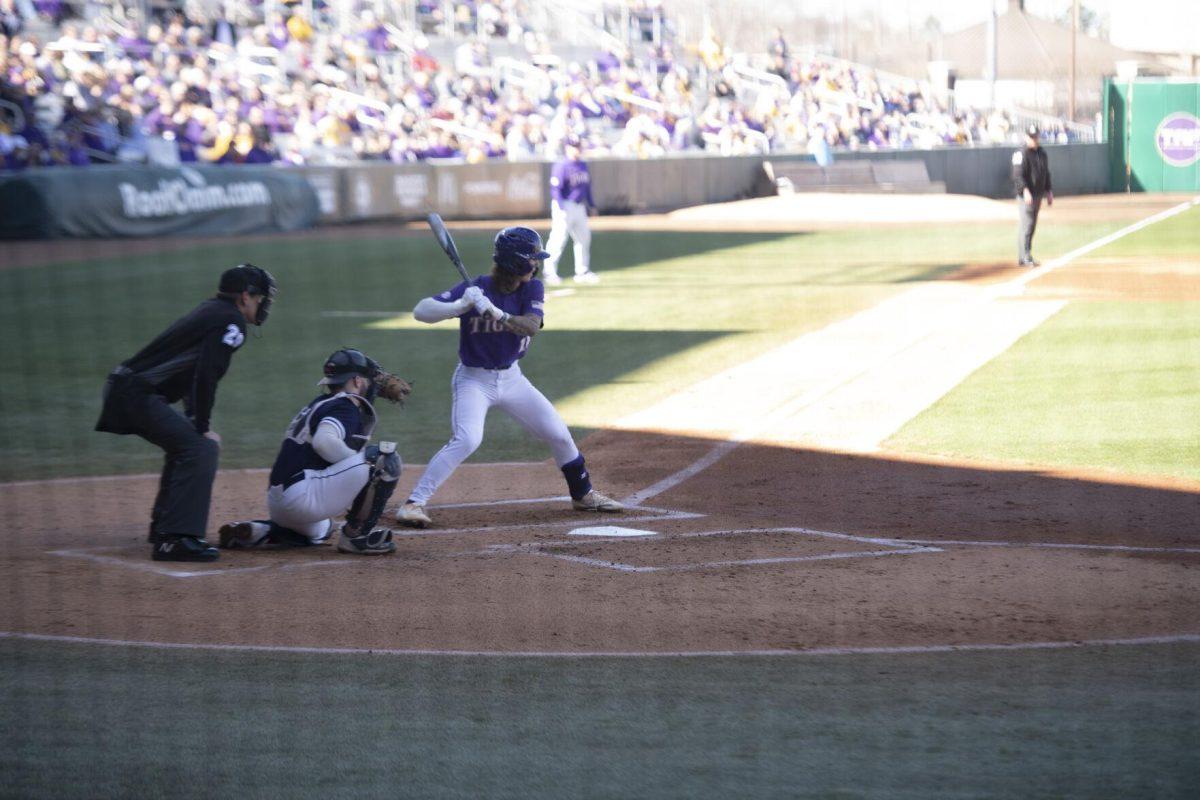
483,342
296,454
186,361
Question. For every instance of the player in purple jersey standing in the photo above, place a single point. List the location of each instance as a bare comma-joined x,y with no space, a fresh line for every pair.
570,200
498,315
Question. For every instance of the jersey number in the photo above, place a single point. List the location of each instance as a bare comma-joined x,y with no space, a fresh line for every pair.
233,337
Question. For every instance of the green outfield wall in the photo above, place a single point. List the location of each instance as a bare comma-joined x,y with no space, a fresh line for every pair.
1153,134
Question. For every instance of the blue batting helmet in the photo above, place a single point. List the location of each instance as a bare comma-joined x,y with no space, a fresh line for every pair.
518,249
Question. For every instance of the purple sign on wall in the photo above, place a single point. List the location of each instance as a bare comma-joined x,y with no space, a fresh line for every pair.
1178,139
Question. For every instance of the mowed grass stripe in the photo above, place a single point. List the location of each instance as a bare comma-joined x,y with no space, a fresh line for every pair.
1110,385
672,309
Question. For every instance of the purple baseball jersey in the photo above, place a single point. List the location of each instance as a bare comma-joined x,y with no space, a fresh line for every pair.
482,342
570,180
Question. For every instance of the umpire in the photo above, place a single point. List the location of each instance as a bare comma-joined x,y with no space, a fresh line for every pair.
185,362
1031,179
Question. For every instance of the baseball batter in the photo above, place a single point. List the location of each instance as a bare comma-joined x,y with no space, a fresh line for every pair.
570,199
325,465
498,316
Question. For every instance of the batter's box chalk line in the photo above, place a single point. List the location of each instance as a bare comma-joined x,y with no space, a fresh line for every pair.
637,514
104,554
883,547
98,555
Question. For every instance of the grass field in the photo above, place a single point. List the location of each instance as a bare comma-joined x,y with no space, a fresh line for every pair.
1114,722
673,308
1112,385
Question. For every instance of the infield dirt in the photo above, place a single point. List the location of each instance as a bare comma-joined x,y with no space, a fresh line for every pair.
488,577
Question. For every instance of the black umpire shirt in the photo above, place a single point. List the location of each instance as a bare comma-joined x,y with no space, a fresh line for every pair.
1032,172
186,361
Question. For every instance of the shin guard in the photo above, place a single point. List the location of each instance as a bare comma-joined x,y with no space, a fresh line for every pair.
369,504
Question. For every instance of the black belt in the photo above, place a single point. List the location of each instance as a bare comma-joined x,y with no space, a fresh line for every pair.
292,480
491,369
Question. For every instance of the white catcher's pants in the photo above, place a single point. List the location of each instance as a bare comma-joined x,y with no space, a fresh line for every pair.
476,391
309,506
568,219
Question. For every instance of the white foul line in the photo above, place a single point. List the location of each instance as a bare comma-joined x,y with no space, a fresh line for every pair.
1182,638
1008,287
1063,260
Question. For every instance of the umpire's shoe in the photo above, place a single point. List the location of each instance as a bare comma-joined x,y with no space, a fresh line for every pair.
183,548
376,543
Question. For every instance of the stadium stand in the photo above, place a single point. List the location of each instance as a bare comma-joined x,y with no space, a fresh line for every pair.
315,83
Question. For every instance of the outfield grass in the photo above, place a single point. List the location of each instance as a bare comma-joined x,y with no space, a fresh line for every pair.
1109,385
83,721
673,308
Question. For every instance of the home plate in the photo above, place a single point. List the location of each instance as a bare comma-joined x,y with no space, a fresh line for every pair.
610,530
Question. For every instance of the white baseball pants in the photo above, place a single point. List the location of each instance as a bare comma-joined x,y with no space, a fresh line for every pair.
568,219
309,506
475,392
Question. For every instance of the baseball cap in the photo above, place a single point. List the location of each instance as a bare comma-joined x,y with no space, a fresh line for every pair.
236,280
1032,130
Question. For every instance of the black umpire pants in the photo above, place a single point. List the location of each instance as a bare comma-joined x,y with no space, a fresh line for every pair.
185,489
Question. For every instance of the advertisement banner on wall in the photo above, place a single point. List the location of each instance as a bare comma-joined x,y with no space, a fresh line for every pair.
118,201
327,183
386,191
477,191
1153,131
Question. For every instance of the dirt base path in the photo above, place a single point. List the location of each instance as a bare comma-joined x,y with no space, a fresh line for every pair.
510,577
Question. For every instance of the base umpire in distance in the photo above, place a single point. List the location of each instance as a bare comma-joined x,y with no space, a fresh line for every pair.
185,362
1031,179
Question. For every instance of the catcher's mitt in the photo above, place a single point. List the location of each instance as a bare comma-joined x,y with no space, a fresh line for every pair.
391,387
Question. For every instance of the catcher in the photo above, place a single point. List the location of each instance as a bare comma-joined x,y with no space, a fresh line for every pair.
326,465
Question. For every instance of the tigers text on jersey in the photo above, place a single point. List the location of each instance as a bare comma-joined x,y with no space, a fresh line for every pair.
483,342
296,454
186,361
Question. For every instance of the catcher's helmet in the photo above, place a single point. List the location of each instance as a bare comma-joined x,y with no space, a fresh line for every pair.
255,280
344,364
517,250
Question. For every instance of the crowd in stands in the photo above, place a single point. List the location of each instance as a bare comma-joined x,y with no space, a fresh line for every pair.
280,87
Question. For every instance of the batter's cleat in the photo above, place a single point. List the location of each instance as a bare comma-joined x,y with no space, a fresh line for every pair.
376,543
551,279
594,501
183,548
251,533
413,515
587,277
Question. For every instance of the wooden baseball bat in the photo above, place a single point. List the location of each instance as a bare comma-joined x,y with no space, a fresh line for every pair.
444,239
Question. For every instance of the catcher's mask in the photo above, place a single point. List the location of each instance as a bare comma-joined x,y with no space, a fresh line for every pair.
255,280
344,364
518,250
